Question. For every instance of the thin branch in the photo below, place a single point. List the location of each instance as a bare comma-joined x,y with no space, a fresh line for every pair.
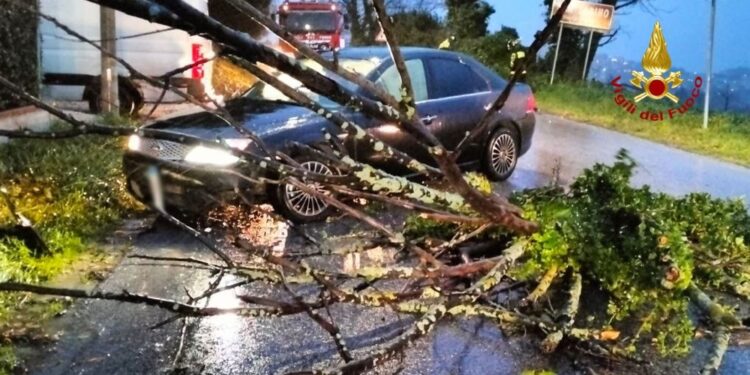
407,104
568,314
420,328
542,287
354,132
397,238
327,326
308,52
504,213
490,115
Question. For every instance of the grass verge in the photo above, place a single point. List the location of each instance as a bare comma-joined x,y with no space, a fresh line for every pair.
73,191
727,136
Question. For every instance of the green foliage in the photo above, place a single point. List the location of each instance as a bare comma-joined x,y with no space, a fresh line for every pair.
479,182
72,185
418,28
73,191
491,50
537,372
643,248
8,360
416,226
18,33
727,137
468,18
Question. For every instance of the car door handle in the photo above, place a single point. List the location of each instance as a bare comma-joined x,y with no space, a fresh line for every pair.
428,119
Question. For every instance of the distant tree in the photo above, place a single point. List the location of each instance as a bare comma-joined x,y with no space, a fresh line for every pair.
416,23
726,94
574,42
492,49
403,6
418,28
468,18
510,32
363,21
353,17
228,15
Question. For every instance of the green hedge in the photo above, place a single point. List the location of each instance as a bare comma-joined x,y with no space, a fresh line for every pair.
18,49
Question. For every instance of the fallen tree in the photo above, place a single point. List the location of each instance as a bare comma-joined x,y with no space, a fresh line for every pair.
651,254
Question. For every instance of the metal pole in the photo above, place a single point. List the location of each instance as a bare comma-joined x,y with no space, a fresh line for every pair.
557,51
109,88
710,73
588,51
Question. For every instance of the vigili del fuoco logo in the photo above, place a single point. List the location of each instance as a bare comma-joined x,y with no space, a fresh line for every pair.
656,62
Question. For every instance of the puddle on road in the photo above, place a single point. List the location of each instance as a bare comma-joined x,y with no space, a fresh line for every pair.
225,329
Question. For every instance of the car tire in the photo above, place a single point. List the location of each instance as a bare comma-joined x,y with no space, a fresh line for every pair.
131,100
501,154
298,206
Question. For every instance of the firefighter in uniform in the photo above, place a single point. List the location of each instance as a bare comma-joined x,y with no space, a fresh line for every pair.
517,57
446,44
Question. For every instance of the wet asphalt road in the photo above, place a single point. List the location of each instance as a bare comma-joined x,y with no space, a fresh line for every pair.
112,338
578,146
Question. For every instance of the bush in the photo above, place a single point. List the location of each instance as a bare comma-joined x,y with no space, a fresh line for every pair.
418,28
73,191
18,33
490,50
642,248
8,360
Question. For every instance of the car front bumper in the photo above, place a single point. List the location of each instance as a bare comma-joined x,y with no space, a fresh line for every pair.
185,187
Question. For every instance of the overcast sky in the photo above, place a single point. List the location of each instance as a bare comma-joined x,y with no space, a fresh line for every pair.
684,22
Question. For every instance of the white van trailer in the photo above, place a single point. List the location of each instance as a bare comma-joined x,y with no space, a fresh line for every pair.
71,69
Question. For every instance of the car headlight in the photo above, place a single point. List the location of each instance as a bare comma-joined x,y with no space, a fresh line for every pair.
134,143
211,156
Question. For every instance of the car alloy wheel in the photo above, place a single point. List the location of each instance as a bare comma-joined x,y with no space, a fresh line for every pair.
501,154
304,204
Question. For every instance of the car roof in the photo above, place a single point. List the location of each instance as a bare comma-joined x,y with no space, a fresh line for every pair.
382,52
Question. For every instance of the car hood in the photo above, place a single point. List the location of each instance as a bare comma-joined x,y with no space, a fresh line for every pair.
263,118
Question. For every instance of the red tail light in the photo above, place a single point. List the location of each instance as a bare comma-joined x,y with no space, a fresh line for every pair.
531,104
197,71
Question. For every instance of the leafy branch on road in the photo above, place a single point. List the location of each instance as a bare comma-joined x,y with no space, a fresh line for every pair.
466,246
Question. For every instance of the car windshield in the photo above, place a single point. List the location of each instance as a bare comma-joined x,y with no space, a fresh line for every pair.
309,21
263,91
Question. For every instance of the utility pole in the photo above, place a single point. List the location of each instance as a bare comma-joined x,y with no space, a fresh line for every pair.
109,102
710,72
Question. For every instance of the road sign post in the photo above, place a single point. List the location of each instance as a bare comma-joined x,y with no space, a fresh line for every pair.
557,51
593,17
588,51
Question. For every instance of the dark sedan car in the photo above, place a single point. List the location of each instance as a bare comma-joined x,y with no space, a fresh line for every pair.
452,92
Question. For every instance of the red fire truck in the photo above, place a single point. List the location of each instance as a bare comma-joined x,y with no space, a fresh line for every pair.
321,24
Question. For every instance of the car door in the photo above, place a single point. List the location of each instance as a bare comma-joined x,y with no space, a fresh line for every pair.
391,134
457,98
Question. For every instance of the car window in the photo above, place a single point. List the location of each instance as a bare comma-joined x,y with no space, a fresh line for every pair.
452,78
390,80
260,90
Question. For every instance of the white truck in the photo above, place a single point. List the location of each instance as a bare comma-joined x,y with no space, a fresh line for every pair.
71,69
